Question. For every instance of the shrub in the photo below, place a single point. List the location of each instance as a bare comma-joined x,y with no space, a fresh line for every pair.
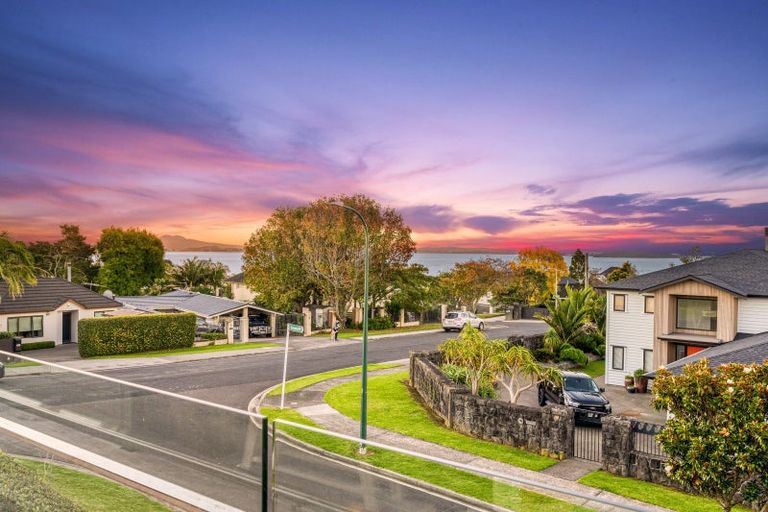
213,336
573,354
6,334
21,489
37,345
457,374
376,324
543,355
486,390
600,350
129,334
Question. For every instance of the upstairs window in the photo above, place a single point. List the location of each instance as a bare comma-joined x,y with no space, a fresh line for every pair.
649,304
619,302
699,314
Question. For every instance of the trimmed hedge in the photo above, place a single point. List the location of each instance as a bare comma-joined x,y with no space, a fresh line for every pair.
213,336
106,336
36,345
21,489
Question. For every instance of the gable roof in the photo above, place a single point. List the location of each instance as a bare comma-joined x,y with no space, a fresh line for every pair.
50,293
742,273
752,349
182,300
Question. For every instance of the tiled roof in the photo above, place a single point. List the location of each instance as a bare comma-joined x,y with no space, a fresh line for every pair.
752,349
182,300
742,272
48,294
237,278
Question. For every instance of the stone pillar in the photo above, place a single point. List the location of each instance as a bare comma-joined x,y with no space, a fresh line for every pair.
272,325
307,322
402,317
491,309
617,444
229,327
244,334
443,311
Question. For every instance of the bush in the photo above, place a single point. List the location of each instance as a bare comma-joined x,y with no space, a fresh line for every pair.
130,334
37,345
6,334
213,336
457,374
573,354
376,324
600,350
486,390
21,489
543,355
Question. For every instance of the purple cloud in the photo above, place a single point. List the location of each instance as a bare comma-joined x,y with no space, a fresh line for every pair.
737,157
540,190
490,224
430,218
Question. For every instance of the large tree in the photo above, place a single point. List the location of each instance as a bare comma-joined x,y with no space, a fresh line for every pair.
544,260
131,259
625,271
204,276
16,265
466,283
51,259
577,267
415,290
716,437
521,285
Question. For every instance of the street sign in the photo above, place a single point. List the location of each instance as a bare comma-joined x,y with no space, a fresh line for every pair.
296,329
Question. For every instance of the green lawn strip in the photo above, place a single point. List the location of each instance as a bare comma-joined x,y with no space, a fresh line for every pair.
92,493
489,315
447,477
356,333
391,406
192,350
648,492
20,364
594,369
304,382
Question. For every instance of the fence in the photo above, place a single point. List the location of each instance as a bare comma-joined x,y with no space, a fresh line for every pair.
207,456
282,321
588,436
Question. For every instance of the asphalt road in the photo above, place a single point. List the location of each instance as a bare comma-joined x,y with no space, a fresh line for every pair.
233,381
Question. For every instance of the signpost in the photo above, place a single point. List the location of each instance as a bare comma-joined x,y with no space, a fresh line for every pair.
291,328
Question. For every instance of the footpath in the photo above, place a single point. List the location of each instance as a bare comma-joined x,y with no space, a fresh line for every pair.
310,403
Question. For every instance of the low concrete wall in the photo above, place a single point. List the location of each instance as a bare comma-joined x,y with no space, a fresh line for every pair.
547,430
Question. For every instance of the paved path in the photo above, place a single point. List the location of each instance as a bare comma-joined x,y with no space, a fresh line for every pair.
310,403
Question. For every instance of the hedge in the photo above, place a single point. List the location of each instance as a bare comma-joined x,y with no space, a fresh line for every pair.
38,345
213,336
21,489
106,336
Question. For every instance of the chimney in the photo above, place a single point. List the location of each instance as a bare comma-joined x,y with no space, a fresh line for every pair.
69,272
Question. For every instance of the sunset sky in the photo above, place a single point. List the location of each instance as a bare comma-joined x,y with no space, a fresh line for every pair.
610,126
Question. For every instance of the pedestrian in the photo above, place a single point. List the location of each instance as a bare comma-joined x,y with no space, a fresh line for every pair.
335,330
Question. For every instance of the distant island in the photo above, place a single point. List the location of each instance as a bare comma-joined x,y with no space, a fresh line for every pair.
176,243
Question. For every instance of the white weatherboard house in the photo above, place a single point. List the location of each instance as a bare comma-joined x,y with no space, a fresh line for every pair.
50,310
657,318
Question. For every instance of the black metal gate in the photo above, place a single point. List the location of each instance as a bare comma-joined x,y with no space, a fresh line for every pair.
588,435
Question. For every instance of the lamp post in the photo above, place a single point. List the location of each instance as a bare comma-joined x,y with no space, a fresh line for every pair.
364,394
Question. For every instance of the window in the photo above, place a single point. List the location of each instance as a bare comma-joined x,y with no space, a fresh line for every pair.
699,314
617,362
26,326
647,361
619,302
681,351
649,303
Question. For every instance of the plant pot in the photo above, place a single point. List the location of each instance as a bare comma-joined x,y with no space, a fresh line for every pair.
629,381
641,384
631,389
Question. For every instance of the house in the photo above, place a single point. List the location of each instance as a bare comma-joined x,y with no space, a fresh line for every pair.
240,291
209,309
657,318
567,282
50,310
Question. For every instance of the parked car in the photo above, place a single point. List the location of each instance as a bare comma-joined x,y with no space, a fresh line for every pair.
204,327
457,320
259,327
580,392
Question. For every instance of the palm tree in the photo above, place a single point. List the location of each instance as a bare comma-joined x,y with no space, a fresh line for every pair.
567,320
16,265
519,370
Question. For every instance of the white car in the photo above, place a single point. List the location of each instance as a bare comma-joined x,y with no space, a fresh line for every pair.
458,319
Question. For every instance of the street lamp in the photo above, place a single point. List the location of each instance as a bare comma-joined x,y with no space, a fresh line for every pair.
364,396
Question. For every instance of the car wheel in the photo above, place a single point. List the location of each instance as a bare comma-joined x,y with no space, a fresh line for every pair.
542,397
446,329
481,326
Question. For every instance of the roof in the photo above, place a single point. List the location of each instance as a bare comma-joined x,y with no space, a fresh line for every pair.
50,293
567,280
749,350
185,301
237,278
743,273
608,271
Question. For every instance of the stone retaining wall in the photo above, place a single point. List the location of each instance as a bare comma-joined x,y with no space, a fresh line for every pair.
621,457
547,430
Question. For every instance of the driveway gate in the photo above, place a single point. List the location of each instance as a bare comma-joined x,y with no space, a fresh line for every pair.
588,437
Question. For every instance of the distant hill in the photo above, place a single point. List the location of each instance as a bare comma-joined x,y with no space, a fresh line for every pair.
175,243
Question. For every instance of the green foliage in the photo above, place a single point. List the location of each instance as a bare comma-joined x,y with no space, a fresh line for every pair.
377,323
21,489
51,258
694,255
544,355
547,261
6,334
17,265
131,259
457,374
129,334
486,390
577,267
213,336
717,436
468,282
626,270
37,345
573,354
414,290
521,285
476,353
567,320
518,370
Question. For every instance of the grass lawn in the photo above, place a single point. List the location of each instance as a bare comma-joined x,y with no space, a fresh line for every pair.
92,493
654,494
304,382
356,333
594,369
20,364
191,350
447,477
489,315
391,406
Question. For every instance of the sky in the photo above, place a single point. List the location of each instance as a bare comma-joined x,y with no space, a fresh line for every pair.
625,126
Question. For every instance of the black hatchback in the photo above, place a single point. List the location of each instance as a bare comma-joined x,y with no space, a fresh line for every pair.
580,392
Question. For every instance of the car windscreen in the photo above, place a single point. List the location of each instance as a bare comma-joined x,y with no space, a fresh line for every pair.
452,315
584,384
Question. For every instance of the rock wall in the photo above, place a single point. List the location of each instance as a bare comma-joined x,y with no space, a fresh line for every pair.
532,341
547,430
622,457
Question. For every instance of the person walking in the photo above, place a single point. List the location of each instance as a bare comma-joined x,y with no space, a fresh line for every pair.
335,330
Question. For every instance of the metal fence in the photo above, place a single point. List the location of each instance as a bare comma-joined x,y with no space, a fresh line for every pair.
211,457
644,439
588,435
282,321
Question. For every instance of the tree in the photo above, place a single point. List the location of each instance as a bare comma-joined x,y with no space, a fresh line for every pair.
203,276
51,259
625,271
694,255
414,289
544,260
468,282
519,370
567,320
521,285
473,351
16,265
577,267
130,259
716,437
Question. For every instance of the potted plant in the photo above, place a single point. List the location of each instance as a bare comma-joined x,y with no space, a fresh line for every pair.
629,381
641,382
631,389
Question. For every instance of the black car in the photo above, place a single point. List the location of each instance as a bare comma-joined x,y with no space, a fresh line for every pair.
580,392
259,327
